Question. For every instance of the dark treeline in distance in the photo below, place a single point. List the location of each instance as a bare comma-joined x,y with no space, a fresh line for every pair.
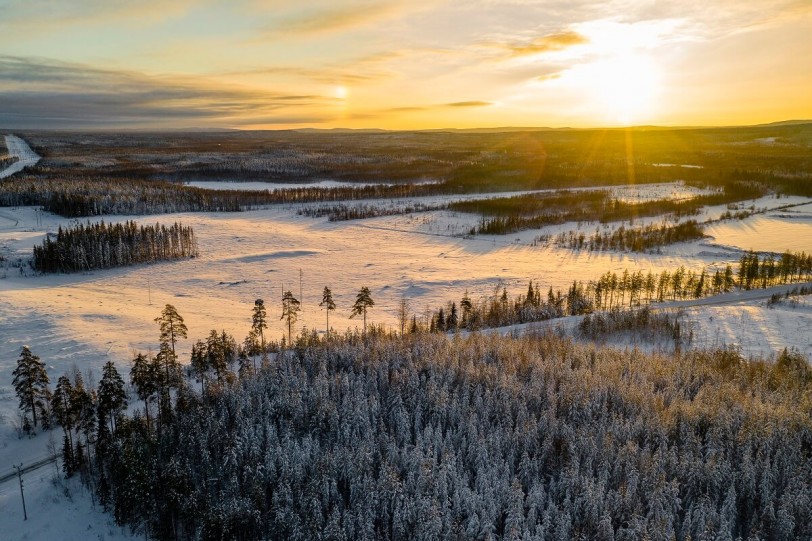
103,246
77,168
381,437
73,197
472,161
639,239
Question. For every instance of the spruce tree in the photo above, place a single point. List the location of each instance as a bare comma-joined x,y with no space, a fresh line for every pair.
112,398
452,321
31,384
200,363
467,307
145,377
61,408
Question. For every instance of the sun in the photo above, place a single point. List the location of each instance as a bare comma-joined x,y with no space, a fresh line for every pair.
623,89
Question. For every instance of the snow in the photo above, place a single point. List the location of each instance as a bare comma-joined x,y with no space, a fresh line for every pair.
773,232
17,148
260,186
56,508
90,318
687,166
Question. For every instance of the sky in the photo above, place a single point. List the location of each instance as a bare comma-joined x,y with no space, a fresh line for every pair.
402,64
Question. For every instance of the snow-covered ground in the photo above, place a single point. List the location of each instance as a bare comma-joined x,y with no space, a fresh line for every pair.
57,509
789,229
254,186
17,148
90,318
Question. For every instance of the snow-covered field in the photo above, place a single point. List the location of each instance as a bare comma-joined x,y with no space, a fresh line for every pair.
17,148
254,186
88,319
789,229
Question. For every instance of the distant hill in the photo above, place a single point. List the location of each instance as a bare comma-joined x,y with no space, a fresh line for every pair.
785,123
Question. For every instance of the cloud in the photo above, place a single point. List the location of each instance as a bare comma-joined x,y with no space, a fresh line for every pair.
475,103
544,44
332,18
37,92
27,17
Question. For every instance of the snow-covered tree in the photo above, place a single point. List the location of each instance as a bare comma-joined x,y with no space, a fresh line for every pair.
31,385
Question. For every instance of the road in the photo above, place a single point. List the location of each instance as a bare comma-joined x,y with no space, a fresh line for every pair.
33,465
18,148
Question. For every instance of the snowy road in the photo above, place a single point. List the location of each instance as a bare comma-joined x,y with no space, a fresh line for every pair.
17,148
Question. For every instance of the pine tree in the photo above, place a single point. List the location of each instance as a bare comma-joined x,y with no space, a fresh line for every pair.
259,322
31,384
290,311
172,329
363,302
327,302
112,398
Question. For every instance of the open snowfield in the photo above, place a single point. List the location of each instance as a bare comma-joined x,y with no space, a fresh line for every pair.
253,186
90,318
789,229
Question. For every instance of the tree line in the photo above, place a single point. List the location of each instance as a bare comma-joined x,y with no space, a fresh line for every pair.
102,246
505,215
421,437
613,291
633,239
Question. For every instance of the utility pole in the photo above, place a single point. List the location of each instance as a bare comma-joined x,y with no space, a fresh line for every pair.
301,298
22,494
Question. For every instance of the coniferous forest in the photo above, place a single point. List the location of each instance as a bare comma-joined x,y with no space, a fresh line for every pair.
380,437
103,246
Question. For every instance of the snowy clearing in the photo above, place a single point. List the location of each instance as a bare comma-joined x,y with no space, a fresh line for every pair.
260,186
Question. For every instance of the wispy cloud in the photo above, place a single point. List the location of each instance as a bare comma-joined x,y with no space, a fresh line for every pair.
544,44
36,92
333,19
39,16
475,103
